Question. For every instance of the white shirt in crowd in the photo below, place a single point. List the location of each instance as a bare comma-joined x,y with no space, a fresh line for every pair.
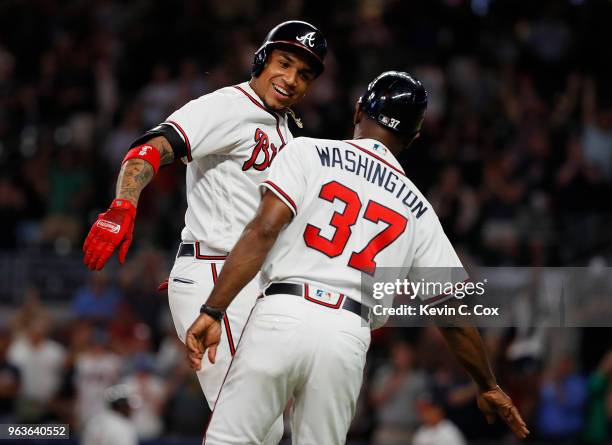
444,432
147,395
109,428
40,367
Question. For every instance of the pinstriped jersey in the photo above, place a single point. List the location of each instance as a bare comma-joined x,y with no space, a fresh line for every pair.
230,139
355,213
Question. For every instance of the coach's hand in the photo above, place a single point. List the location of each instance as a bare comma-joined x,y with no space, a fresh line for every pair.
494,403
112,229
204,333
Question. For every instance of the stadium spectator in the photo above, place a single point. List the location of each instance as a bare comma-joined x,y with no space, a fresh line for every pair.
148,396
396,388
98,300
96,369
436,429
599,412
113,425
562,401
10,380
40,361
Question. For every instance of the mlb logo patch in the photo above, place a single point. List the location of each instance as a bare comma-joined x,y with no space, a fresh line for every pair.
324,297
379,148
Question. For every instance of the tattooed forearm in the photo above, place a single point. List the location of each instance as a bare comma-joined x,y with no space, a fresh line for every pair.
167,155
165,149
135,174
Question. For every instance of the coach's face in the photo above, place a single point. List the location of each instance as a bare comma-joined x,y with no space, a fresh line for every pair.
284,80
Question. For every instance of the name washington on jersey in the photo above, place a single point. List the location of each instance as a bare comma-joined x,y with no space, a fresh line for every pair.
374,172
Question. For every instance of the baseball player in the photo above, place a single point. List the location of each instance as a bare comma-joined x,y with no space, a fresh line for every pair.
331,211
228,139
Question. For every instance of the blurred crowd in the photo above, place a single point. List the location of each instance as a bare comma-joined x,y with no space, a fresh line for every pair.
60,370
515,156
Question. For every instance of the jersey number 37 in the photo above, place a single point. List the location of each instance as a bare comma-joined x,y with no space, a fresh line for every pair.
364,260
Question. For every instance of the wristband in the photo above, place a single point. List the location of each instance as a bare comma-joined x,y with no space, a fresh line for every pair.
217,314
147,153
124,204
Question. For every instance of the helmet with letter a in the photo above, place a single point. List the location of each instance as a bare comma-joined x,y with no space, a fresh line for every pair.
293,35
397,101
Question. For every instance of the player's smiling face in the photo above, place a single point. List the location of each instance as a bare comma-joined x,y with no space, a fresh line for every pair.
284,80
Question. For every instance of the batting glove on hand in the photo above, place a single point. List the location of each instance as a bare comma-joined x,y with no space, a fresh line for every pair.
495,403
112,229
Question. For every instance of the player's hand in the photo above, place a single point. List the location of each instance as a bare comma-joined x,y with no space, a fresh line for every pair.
204,333
112,229
495,403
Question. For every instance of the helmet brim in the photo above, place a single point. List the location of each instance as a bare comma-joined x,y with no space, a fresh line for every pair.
311,57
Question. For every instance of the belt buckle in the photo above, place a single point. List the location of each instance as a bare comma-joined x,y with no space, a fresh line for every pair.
323,297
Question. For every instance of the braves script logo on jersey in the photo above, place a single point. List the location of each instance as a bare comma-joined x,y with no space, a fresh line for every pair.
307,39
263,153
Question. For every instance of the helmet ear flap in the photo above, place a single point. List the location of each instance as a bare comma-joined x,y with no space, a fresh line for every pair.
259,61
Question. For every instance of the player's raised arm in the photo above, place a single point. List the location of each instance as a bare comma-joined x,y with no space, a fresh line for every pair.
113,228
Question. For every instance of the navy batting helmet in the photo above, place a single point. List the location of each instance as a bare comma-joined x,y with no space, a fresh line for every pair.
293,35
397,101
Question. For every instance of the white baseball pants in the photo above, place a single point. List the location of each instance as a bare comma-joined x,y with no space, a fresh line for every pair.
292,347
189,285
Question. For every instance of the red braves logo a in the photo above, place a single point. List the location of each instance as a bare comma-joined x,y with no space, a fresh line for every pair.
264,146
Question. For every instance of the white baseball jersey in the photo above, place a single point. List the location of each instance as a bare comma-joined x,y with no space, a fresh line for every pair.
231,139
228,139
355,211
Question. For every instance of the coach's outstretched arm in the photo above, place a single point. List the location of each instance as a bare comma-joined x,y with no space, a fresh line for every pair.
466,345
114,227
241,266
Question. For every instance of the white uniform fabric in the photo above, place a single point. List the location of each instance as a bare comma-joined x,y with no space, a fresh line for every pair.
231,140
355,211
292,348
376,178
109,428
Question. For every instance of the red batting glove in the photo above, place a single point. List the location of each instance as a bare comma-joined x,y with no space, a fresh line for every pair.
112,228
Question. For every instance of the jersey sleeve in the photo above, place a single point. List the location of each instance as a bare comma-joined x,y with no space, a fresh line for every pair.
207,125
288,175
436,262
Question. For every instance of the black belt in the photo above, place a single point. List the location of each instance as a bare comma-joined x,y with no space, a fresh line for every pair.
193,249
186,249
298,290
